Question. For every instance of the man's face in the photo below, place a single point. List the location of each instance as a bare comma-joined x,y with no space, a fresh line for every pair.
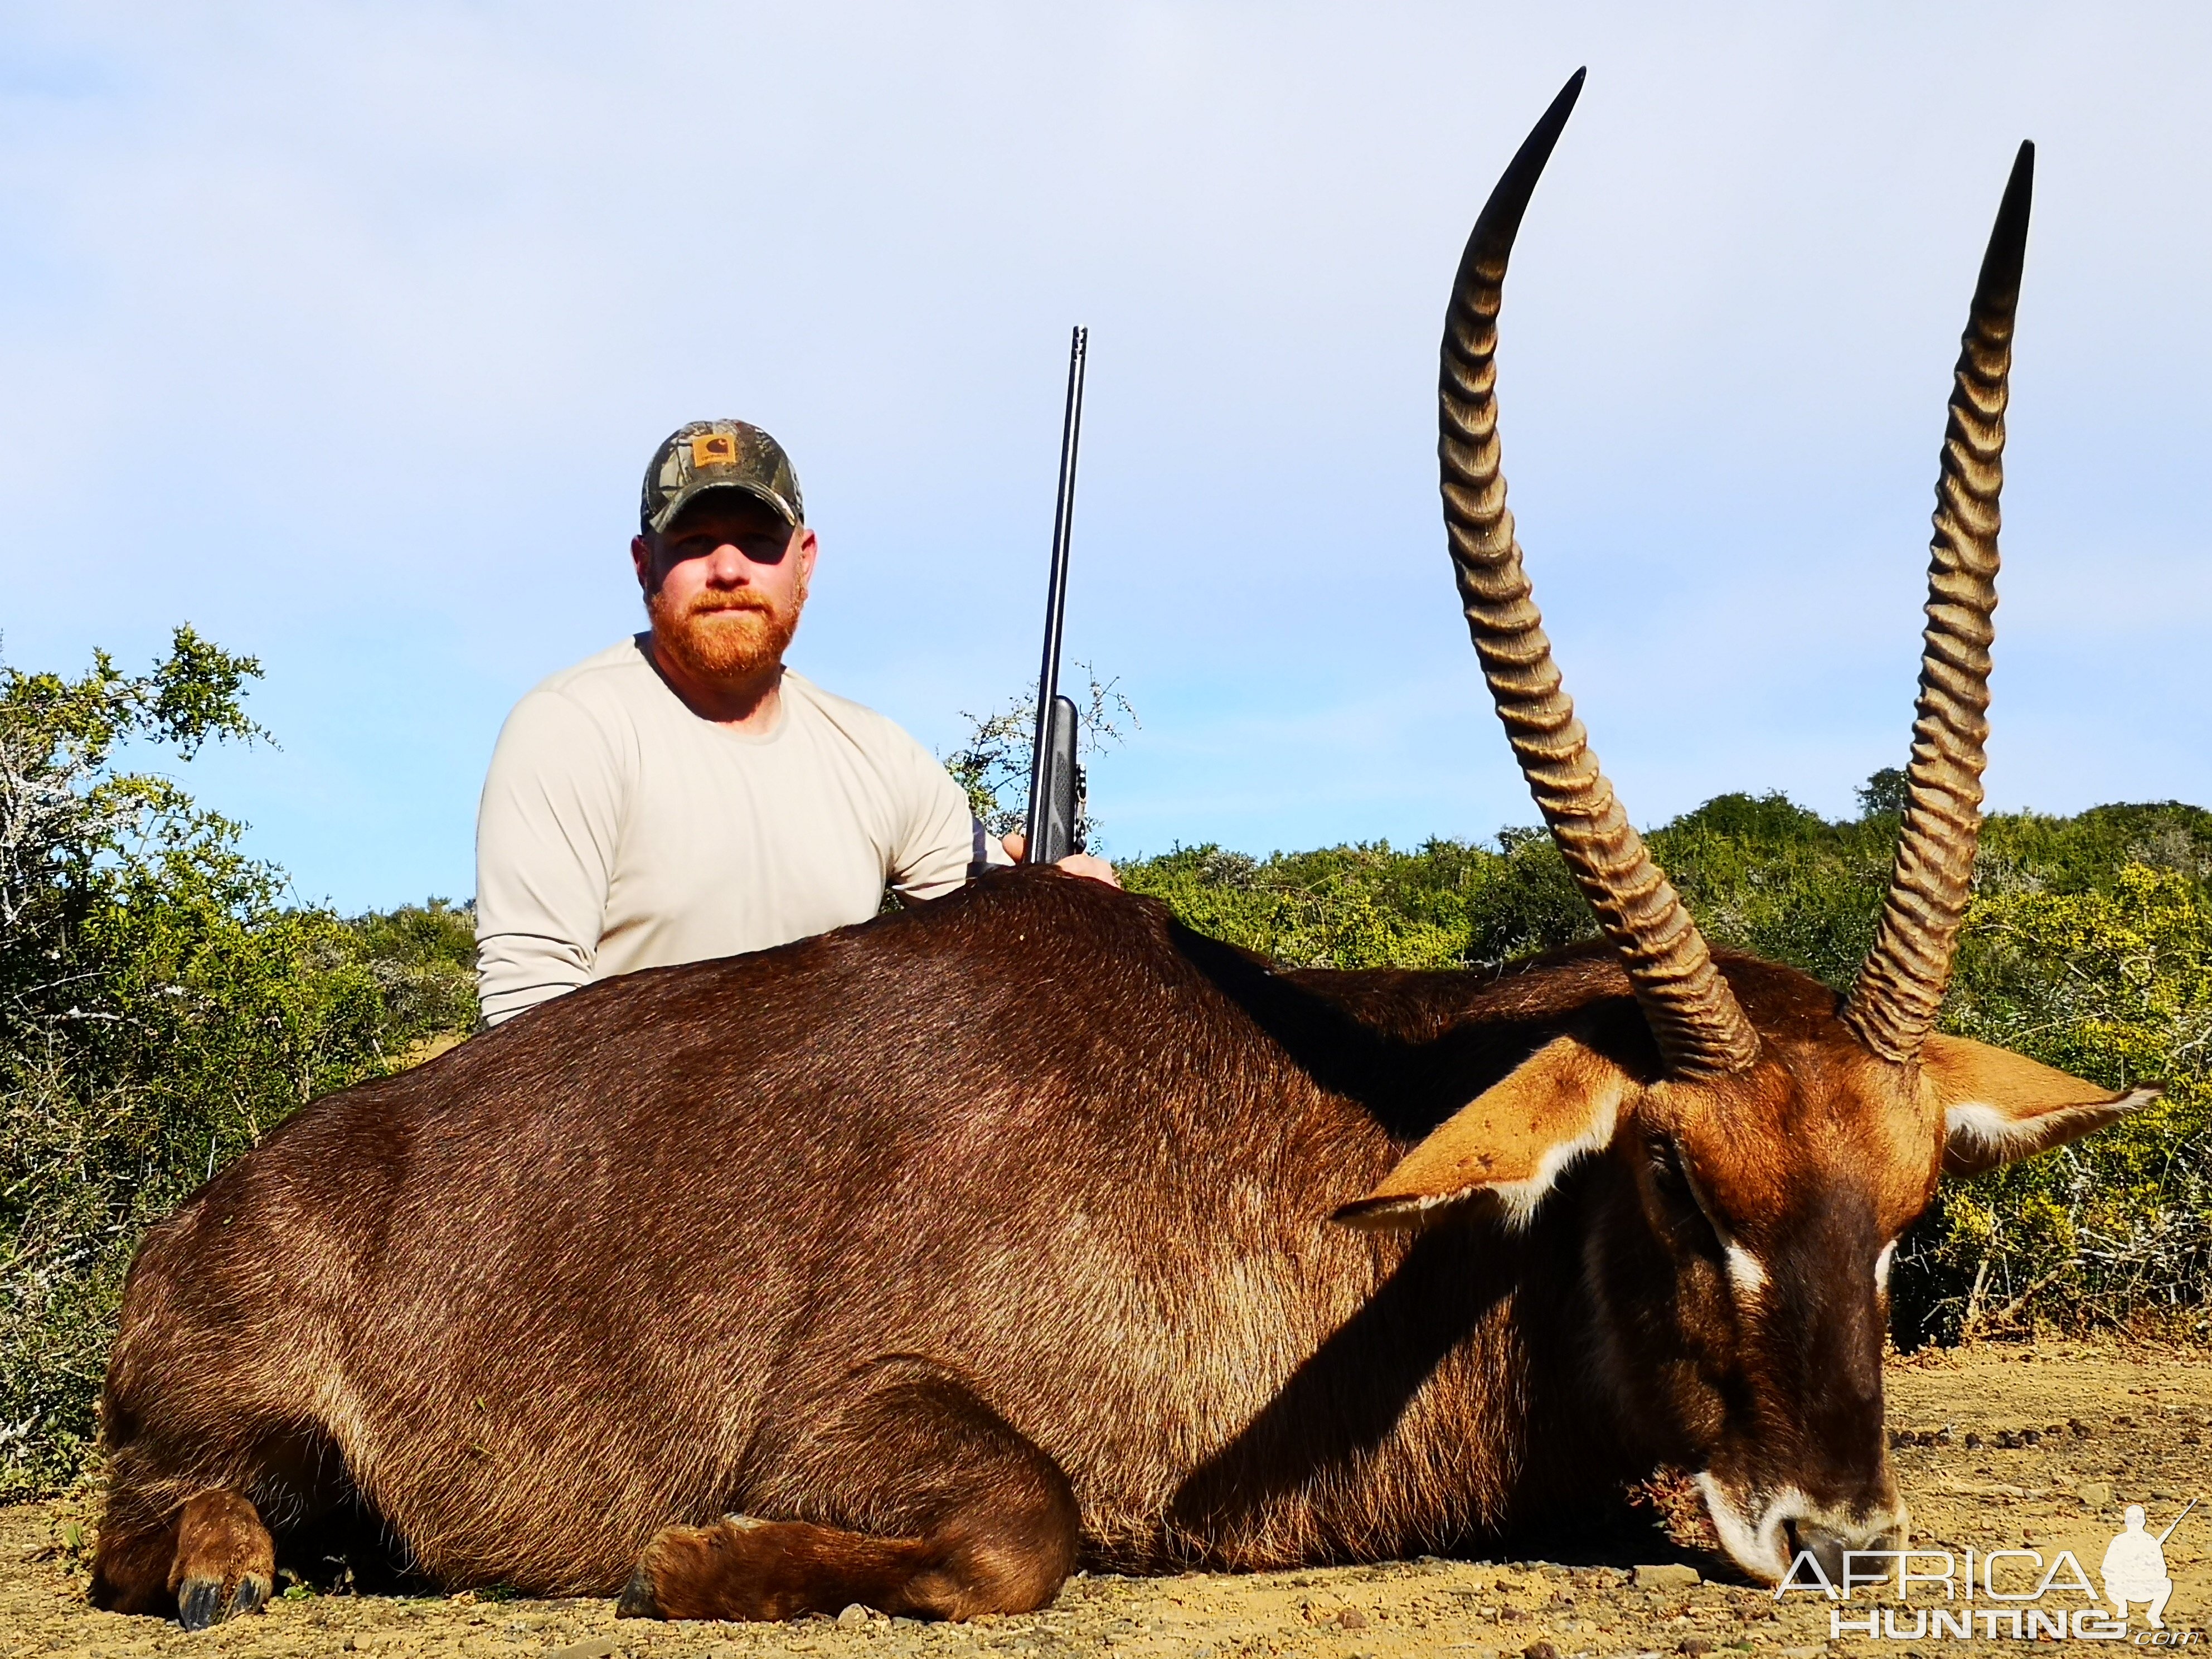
724,586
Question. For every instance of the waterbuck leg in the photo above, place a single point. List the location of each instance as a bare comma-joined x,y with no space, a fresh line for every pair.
226,1561
131,1564
212,1560
902,1491
183,1532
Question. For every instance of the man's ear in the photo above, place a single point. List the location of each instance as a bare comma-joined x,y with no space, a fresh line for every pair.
1999,1106
1512,1140
641,559
805,546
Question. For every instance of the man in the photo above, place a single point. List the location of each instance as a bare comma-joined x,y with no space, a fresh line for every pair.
683,794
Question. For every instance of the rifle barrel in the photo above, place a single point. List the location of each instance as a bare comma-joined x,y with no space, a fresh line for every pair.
1041,766
2176,1521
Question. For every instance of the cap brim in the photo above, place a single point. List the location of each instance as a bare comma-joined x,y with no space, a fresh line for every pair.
761,493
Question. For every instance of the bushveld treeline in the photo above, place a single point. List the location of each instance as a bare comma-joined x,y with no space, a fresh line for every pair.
166,1001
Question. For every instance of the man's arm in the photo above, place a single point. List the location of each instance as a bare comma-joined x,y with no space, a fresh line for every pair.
941,839
545,852
941,835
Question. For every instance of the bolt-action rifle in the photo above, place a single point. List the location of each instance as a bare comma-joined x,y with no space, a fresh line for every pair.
1055,814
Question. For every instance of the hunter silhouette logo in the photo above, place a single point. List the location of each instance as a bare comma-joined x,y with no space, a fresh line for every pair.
2134,1567
2010,1593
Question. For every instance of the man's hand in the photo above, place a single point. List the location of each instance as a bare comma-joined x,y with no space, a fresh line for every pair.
1076,864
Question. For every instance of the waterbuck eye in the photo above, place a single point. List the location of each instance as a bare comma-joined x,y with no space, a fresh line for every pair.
1686,1216
1666,1172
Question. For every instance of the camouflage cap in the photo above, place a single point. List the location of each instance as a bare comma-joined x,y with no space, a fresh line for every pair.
705,455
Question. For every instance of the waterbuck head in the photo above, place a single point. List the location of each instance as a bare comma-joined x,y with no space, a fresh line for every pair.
1763,1141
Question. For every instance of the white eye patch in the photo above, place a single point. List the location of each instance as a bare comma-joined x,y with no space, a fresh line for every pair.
1745,1271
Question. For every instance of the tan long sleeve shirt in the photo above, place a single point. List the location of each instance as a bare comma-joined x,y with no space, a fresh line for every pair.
619,830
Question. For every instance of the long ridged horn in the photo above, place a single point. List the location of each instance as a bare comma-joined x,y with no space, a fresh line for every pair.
1893,1006
1693,1013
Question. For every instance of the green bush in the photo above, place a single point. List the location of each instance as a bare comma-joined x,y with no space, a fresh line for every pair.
2112,981
1449,905
164,1003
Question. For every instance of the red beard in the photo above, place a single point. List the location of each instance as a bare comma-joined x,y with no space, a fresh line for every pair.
723,636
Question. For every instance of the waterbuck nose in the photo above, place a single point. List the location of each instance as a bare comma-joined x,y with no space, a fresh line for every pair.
1827,1541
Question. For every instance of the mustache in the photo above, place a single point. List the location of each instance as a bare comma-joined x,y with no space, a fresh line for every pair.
707,603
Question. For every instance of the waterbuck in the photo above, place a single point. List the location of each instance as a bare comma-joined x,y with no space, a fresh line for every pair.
914,1264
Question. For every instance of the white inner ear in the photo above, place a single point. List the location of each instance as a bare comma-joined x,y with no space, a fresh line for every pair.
1881,1265
1520,1197
1982,1125
1985,1127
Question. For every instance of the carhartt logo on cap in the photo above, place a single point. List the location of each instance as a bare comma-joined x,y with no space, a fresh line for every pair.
713,449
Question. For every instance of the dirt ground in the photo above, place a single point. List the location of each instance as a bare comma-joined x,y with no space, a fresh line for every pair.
2113,1425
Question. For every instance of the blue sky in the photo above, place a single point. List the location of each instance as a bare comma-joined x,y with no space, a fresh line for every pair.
344,332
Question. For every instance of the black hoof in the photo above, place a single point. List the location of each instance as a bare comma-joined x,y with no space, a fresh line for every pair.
636,1599
199,1603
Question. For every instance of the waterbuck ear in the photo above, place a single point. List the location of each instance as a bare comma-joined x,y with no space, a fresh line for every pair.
1999,1106
1512,1140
